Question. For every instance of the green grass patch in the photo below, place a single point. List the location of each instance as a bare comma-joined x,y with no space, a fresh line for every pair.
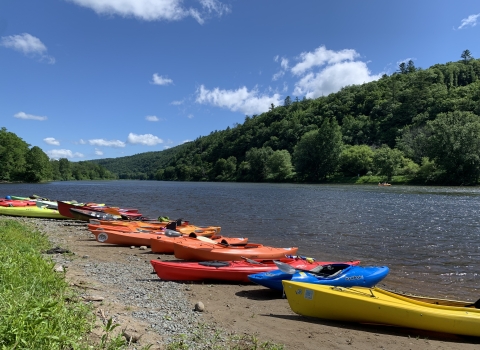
37,308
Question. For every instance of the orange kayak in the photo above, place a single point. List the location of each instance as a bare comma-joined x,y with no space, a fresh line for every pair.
207,251
135,226
163,244
123,238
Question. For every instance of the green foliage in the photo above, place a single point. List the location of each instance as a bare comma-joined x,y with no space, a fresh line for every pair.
38,167
37,310
387,161
356,160
317,154
279,166
454,145
257,159
13,151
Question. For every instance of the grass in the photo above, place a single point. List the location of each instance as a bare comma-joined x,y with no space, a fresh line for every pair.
38,310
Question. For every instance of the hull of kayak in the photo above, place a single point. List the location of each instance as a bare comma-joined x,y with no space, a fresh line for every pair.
164,244
32,212
123,238
337,274
234,271
202,251
378,306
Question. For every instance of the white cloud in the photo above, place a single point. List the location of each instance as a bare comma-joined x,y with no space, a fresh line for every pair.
242,100
187,140
278,75
332,78
28,45
159,80
284,66
63,153
320,57
82,142
51,141
23,115
147,139
152,118
177,103
155,10
190,116
98,152
105,143
469,21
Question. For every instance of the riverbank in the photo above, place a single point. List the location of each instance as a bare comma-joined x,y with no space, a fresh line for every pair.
118,281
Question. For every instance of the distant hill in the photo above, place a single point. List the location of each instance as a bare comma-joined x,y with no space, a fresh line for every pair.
140,166
344,133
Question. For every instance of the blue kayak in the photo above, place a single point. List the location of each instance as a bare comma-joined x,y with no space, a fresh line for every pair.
342,275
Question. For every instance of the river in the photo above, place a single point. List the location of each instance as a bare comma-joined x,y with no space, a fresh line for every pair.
428,236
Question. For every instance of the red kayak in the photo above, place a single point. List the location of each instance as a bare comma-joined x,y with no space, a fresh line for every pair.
16,203
65,209
234,271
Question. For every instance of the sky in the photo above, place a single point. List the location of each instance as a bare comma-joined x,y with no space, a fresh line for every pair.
93,79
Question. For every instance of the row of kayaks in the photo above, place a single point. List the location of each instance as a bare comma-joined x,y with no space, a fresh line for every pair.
343,291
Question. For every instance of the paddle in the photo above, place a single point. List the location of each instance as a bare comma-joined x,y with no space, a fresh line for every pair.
206,240
250,261
286,268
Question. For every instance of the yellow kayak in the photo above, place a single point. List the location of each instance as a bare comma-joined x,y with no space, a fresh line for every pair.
32,212
376,305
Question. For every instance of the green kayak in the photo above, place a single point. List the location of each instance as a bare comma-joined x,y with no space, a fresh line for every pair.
32,212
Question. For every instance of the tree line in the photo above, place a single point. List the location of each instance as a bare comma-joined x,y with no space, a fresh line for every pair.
421,124
20,162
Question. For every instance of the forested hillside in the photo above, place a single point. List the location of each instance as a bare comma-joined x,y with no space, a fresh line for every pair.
423,124
20,162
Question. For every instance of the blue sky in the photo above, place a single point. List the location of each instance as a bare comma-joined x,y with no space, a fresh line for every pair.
89,79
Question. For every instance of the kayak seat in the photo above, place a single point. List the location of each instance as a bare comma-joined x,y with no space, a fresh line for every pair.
214,263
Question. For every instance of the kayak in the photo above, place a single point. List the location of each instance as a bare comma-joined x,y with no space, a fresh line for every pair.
16,203
86,215
123,238
204,251
234,271
32,212
139,226
163,244
65,209
336,274
379,306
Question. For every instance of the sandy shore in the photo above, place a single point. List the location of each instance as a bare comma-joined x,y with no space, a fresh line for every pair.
101,272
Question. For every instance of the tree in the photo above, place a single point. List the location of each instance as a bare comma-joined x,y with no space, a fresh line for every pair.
257,159
287,102
356,160
466,56
65,169
411,67
387,161
317,154
12,156
38,166
454,145
279,166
